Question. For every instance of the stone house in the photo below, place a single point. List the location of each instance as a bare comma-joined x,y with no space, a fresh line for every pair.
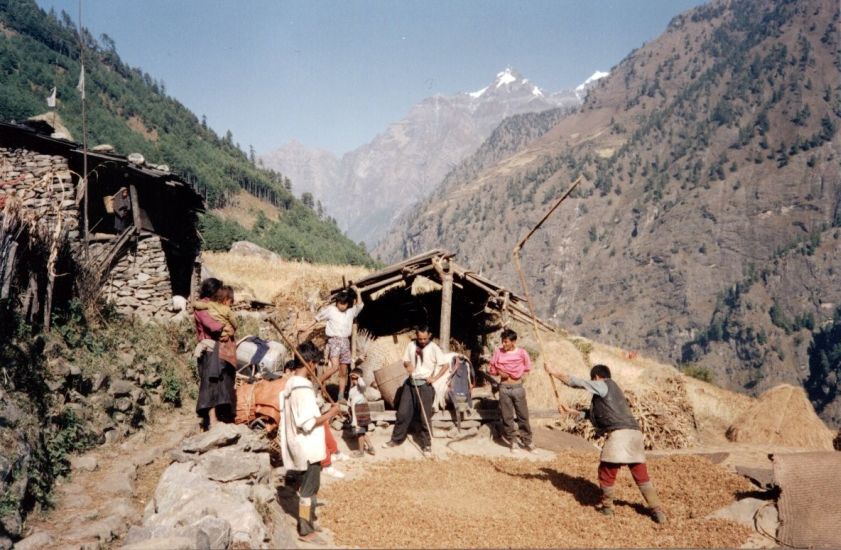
130,238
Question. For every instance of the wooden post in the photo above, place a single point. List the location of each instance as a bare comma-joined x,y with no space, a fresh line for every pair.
9,271
135,207
446,305
353,337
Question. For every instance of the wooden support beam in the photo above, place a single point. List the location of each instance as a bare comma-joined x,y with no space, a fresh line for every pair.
446,305
9,270
135,206
104,264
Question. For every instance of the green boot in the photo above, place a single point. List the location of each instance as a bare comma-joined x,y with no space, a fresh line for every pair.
606,505
650,493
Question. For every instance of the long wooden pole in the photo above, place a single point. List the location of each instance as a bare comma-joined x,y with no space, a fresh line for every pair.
446,321
300,358
85,185
516,254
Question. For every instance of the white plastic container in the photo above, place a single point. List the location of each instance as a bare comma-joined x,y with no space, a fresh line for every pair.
273,360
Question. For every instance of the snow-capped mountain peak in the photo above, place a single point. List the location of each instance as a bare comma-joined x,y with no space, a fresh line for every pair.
582,89
507,81
506,77
598,75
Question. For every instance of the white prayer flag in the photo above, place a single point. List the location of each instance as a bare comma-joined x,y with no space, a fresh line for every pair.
51,99
81,85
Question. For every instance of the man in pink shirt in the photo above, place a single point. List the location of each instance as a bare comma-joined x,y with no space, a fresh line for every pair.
512,364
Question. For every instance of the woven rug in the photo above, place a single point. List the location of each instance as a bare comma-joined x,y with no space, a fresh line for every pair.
810,499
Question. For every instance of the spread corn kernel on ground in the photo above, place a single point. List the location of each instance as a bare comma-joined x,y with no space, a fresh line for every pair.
479,502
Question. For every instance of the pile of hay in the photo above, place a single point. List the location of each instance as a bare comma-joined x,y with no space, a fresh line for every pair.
472,502
782,416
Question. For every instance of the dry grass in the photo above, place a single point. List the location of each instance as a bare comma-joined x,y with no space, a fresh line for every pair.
479,502
299,284
243,209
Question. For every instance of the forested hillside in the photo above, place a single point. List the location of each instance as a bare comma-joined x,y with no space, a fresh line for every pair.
707,227
131,110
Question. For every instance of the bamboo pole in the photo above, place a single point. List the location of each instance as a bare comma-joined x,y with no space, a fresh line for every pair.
516,254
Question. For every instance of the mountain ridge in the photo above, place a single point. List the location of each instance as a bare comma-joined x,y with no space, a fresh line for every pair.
708,155
377,181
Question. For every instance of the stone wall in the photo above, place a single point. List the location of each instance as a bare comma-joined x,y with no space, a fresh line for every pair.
139,282
43,183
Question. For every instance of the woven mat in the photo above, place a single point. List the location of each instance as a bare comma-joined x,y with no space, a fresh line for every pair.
810,514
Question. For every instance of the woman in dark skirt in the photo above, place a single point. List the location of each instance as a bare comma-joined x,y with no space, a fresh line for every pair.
216,399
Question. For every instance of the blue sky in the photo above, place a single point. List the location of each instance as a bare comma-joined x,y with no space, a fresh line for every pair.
332,74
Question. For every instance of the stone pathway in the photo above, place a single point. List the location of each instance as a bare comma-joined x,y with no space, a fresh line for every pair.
109,487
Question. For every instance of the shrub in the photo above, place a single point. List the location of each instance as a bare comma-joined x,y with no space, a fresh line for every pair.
697,371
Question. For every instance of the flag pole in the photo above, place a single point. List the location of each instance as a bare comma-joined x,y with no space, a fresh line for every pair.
84,132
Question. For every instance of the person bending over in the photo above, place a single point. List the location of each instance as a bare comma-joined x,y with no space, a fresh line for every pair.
611,415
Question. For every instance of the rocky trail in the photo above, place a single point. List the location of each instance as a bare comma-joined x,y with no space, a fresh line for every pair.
109,487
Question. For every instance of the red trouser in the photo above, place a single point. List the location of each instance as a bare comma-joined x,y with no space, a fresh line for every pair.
608,471
333,447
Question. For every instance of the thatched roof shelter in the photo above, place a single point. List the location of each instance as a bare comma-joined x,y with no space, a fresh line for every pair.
432,288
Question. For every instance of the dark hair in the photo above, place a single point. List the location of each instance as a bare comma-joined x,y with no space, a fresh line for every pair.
209,287
289,365
423,327
356,371
599,370
309,352
223,294
345,297
509,334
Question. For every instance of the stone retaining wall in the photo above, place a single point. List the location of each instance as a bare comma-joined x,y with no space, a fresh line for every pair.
139,282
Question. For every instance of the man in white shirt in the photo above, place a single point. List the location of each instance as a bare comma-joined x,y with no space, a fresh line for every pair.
421,360
339,319
302,436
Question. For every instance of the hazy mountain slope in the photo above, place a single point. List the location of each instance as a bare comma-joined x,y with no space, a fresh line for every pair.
511,135
379,180
312,170
707,155
130,110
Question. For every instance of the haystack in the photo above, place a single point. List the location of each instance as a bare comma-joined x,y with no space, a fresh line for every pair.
782,416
